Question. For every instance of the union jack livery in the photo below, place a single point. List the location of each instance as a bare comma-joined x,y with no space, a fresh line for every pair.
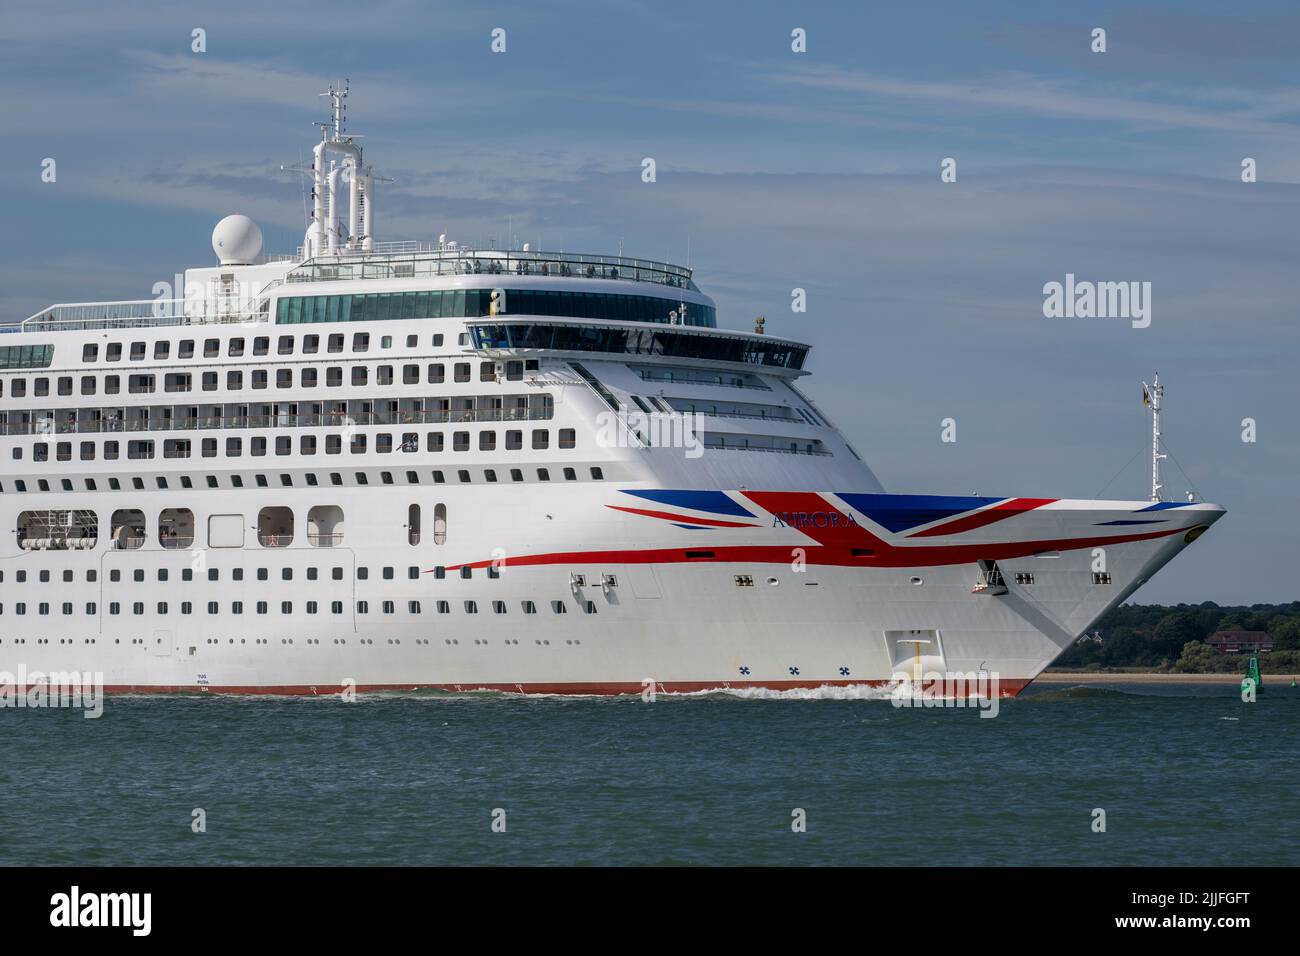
420,465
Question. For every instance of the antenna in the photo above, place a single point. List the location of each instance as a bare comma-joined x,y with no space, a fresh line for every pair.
1152,397
339,106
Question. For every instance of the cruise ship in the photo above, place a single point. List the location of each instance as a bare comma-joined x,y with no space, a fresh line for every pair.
397,466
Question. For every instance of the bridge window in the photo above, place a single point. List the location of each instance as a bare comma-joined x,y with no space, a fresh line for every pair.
474,303
638,341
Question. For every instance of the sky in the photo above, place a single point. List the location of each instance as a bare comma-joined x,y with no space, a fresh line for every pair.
775,170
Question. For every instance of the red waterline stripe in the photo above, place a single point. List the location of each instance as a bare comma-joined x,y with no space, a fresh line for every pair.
1007,688
711,522
886,556
1000,512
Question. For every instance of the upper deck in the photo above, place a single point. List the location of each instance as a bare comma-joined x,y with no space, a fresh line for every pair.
428,260
225,301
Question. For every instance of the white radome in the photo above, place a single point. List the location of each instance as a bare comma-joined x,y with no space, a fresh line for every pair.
237,241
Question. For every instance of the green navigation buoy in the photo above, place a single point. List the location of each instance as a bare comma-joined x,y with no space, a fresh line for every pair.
1252,674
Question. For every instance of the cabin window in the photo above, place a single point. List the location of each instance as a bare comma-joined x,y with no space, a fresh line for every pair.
275,527
127,529
176,528
325,526
56,530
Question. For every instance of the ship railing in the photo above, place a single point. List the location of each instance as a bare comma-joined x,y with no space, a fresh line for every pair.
325,540
177,542
720,380
792,418
145,313
426,262
388,247
274,540
716,444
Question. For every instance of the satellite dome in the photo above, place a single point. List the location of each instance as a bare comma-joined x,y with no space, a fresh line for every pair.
237,241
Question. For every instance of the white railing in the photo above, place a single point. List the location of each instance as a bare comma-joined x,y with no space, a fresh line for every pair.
428,260
143,313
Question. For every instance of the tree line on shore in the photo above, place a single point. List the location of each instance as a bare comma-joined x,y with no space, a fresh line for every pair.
1172,638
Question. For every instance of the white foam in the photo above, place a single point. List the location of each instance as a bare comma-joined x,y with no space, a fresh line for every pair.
824,692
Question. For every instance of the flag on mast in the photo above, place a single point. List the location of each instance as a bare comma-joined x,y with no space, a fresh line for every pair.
1146,395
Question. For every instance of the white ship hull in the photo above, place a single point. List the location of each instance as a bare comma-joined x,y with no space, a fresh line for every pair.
666,607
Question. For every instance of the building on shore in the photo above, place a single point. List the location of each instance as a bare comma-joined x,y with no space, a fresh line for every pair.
1233,642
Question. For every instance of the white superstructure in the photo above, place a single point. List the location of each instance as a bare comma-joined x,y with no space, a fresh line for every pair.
406,465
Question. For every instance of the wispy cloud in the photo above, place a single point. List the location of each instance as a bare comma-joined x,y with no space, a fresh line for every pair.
1023,94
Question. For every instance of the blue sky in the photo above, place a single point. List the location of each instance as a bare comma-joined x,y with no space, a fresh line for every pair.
777,170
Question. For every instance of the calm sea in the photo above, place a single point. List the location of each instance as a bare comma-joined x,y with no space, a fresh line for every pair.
1185,774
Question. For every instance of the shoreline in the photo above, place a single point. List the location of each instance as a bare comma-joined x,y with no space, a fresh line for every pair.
1129,677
